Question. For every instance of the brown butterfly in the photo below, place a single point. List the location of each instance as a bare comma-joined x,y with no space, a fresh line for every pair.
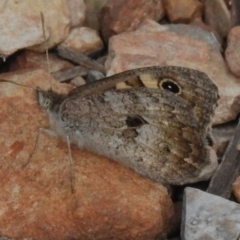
159,125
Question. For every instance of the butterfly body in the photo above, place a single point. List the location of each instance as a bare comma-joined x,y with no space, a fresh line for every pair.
159,133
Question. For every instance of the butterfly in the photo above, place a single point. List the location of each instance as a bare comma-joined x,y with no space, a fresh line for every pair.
159,125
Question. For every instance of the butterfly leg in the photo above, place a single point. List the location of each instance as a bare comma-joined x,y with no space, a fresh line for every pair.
48,131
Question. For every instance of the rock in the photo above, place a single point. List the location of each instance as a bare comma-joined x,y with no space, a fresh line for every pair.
109,201
26,29
232,52
179,45
27,26
198,22
235,12
77,10
33,60
183,11
218,16
236,189
113,15
206,216
78,81
83,40
93,9
93,75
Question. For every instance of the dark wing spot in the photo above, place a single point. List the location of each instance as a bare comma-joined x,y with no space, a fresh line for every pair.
165,147
135,121
170,86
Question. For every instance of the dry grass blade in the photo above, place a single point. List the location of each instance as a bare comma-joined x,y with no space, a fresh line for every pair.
221,183
80,59
68,74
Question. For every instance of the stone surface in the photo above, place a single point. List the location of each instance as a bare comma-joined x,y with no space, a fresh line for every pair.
235,12
84,40
217,15
232,52
36,202
77,10
179,45
93,9
78,81
33,60
216,38
93,76
125,15
25,29
236,189
183,11
209,217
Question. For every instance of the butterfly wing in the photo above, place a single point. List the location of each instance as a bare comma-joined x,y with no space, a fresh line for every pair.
194,87
150,131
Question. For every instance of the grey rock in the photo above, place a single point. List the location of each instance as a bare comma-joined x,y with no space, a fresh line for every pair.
209,217
94,75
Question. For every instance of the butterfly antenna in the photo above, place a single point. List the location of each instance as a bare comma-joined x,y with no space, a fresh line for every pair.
46,49
19,84
34,148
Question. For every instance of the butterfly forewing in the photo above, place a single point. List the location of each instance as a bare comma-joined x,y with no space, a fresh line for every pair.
195,88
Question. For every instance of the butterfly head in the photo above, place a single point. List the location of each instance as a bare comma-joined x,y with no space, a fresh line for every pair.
49,100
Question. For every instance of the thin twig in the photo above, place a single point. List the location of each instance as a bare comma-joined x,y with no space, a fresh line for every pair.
221,182
80,59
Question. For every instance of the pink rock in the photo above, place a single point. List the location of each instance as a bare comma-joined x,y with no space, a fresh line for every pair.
26,26
183,11
179,45
232,52
84,40
109,201
24,31
125,15
77,12
33,60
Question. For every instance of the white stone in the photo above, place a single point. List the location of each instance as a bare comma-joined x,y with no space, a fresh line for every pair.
209,217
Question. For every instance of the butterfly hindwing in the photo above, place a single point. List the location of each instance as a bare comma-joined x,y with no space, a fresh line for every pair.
148,130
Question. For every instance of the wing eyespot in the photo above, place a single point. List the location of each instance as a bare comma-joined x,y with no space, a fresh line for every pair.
170,85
